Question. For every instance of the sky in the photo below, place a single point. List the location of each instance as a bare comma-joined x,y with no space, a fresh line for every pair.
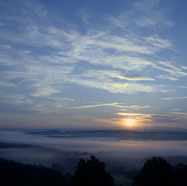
93,64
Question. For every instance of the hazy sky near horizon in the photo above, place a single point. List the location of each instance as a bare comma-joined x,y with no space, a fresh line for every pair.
92,64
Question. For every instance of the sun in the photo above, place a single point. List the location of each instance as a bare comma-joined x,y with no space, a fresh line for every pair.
129,122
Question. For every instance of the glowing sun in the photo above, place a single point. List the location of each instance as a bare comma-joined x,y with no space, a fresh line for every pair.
129,122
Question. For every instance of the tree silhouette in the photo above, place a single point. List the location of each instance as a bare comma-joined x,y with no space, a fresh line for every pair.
156,171
91,173
12,173
181,172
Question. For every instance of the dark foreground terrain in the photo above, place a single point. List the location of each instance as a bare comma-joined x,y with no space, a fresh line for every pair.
156,171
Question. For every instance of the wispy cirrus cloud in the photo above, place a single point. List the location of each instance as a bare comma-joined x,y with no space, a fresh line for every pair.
130,114
145,5
50,76
5,83
15,99
182,86
44,91
142,14
176,109
105,74
161,76
151,17
48,107
113,86
59,99
181,115
52,105
135,107
168,67
115,104
172,98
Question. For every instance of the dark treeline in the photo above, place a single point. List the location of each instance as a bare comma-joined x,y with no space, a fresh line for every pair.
156,171
18,174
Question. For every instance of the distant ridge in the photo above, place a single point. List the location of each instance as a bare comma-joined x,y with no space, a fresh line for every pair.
117,134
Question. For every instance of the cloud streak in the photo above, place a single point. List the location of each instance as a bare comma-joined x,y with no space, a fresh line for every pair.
172,98
115,104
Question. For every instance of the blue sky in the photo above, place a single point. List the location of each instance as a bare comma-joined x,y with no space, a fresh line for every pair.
93,64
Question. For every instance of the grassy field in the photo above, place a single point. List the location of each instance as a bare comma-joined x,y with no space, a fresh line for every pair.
121,180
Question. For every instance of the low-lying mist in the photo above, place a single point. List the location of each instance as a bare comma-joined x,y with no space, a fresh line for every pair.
65,152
